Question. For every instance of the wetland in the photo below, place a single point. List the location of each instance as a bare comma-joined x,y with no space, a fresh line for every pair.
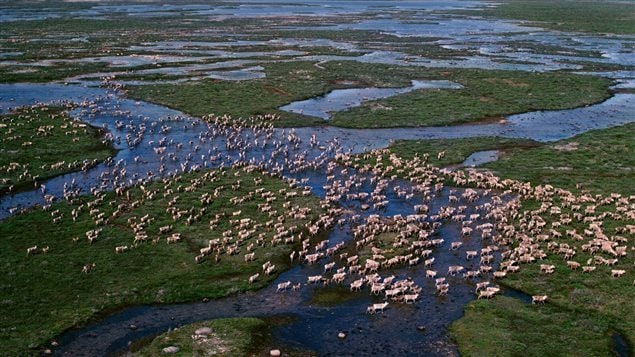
317,178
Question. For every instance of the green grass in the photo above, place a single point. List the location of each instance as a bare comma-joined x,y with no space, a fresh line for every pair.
602,161
595,296
285,82
58,145
45,294
570,15
583,309
456,150
241,99
506,326
244,336
60,38
364,36
425,152
486,94
582,312
376,40
535,47
93,25
230,337
40,74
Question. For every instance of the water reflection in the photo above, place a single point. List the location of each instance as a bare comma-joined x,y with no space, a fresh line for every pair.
342,99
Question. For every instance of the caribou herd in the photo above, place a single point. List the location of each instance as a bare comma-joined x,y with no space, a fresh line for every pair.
50,122
486,211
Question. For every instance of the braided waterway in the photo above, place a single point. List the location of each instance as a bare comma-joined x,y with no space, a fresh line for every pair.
144,121
138,128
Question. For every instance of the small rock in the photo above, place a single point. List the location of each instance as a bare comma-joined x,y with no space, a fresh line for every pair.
171,349
364,207
54,343
205,299
132,326
421,328
203,331
274,353
341,335
47,352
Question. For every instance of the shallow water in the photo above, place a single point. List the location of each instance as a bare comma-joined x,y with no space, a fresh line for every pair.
226,70
342,99
621,348
489,42
475,61
394,332
434,26
539,126
315,327
250,8
481,157
397,324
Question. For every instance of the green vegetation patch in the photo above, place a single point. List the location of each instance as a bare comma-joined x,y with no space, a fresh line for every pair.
535,47
38,74
455,151
570,15
583,309
285,82
594,301
359,36
602,161
228,337
506,326
46,290
580,305
245,336
38,143
487,94
376,40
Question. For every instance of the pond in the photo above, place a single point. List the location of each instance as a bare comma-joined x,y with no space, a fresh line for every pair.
342,99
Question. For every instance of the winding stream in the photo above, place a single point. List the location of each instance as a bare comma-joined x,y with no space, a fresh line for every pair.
342,99
141,130
539,126
395,331
315,327
480,158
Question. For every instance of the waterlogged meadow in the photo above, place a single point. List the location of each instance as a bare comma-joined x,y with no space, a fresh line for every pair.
317,178
41,142
175,240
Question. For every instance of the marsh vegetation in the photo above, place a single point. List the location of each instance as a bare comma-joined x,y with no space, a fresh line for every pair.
315,218
41,142
137,260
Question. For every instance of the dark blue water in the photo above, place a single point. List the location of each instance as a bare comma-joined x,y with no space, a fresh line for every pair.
395,331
